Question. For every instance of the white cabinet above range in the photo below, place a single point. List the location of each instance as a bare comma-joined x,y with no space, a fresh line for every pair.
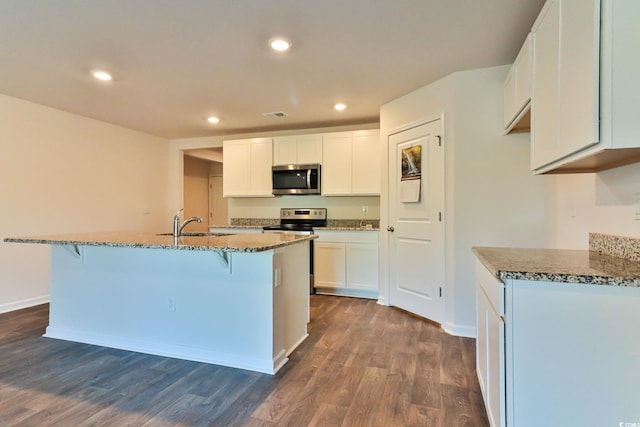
350,162
297,150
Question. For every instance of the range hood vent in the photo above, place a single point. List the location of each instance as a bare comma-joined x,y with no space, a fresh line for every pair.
276,114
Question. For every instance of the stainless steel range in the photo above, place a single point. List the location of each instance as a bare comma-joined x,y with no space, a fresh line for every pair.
301,221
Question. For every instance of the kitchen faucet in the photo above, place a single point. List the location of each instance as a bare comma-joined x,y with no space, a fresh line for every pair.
177,227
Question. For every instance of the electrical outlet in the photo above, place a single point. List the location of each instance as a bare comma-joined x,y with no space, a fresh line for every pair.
365,210
171,304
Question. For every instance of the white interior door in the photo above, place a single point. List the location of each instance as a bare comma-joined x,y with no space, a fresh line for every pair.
416,228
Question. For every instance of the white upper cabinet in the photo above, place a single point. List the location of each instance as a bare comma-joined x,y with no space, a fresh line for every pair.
247,168
297,150
585,88
351,163
517,91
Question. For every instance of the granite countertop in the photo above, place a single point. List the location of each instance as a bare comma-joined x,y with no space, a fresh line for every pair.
257,242
592,267
327,228
346,228
332,224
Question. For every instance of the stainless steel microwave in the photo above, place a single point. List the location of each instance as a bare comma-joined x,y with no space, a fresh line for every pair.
296,179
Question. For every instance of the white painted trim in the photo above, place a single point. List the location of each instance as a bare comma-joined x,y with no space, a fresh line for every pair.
355,293
294,346
267,366
459,330
25,303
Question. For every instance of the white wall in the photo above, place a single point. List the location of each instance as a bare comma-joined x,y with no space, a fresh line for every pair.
603,202
337,207
62,173
492,199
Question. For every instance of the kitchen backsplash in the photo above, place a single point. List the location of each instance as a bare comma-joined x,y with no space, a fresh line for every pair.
618,246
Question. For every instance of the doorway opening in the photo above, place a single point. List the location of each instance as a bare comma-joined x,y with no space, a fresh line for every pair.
202,192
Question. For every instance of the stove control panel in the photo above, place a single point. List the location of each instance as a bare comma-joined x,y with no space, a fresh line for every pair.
303,213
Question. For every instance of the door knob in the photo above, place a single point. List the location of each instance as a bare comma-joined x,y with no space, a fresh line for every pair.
391,229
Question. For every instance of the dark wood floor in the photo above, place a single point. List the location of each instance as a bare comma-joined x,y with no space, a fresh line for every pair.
362,365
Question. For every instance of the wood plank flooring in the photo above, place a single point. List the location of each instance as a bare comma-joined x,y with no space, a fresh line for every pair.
362,365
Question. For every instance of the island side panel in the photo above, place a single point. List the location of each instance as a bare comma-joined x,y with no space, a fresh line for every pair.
291,301
175,303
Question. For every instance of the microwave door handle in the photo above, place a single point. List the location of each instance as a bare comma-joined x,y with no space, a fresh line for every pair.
309,179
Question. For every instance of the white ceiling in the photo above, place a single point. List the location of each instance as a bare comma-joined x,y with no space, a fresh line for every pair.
177,62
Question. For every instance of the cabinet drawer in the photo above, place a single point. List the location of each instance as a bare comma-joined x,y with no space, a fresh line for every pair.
492,286
347,236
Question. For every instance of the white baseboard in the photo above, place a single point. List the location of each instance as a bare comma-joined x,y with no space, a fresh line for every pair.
266,366
459,331
25,303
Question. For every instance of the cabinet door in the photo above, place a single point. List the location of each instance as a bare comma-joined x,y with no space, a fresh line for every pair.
329,265
496,394
490,344
524,73
336,166
309,149
482,310
284,150
544,120
235,170
510,109
578,76
566,80
366,163
362,266
260,167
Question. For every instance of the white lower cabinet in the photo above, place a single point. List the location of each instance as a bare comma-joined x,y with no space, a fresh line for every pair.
330,265
490,345
556,353
346,263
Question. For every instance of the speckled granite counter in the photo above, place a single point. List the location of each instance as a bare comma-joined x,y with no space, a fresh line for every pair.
555,265
219,243
332,224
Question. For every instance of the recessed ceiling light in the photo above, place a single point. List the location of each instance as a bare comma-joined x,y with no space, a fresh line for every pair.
102,75
279,44
213,120
339,107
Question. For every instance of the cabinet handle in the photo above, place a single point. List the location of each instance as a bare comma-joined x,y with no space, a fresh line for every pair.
391,229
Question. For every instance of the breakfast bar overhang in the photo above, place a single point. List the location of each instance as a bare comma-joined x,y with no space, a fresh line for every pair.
233,300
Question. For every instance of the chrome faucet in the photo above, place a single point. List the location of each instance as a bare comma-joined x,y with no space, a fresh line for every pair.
177,227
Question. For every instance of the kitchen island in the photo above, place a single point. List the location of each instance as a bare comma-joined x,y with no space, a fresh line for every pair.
234,300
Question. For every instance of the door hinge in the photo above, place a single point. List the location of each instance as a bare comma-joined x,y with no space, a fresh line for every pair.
440,216
441,292
439,140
